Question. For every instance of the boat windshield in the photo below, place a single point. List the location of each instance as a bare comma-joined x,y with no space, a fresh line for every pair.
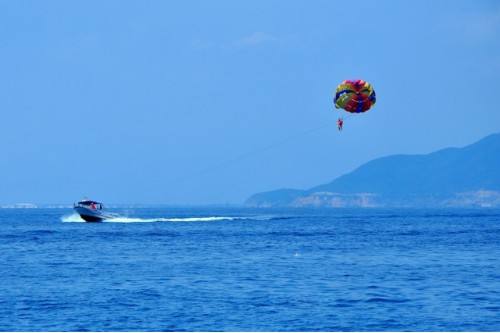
90,204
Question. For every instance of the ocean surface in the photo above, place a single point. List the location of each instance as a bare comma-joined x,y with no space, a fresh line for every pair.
235,269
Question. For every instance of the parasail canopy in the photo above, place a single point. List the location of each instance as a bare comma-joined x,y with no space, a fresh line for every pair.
354,96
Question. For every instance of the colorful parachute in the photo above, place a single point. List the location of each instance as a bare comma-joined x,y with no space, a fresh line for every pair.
354,96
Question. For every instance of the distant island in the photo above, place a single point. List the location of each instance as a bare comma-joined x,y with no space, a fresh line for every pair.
19,205
451,177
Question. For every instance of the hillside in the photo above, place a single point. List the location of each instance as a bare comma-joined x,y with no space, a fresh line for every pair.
467,176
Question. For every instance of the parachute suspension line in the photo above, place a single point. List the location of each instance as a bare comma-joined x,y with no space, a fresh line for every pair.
243,157
350,115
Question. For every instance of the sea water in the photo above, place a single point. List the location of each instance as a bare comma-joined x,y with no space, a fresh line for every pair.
235,269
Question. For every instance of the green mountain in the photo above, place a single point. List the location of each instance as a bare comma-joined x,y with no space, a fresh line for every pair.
468,176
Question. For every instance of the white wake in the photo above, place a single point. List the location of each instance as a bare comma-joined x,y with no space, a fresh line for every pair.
122,219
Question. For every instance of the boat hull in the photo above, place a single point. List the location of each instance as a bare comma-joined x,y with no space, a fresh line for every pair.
93,215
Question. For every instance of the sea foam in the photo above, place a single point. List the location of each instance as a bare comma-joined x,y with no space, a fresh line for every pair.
123,219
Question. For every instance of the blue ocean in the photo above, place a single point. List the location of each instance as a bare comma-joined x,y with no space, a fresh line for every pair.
238,269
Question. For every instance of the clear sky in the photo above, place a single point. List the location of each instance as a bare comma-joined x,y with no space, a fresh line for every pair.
208,102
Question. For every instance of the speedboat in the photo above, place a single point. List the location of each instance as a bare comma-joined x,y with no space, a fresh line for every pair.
92,211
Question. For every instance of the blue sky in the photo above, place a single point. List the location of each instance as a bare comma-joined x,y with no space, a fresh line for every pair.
208,102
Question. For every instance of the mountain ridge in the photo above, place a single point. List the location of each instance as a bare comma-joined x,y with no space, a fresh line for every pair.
466,176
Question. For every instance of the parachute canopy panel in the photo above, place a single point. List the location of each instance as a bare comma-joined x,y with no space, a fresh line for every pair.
354,96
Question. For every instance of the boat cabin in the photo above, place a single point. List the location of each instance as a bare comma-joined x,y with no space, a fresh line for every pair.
90,204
